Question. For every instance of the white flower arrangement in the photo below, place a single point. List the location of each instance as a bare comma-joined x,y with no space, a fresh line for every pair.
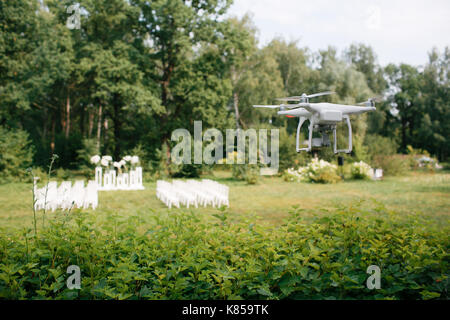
104,162
316,171
95,159
107,161
360,170
134,160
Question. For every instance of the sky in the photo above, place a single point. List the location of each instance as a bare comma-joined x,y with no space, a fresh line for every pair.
400,31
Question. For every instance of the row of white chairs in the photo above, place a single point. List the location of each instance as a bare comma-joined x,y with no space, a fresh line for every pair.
192,192
66,196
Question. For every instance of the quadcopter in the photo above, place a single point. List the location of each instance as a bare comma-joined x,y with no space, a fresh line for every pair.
323,118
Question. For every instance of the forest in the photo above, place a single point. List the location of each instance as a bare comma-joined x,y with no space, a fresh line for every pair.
136,70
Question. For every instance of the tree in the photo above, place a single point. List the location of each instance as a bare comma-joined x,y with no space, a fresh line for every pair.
404,83
364,59
18,39
434,126
108,51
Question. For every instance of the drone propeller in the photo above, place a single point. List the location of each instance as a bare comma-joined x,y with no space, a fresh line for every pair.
305,96
370,102
266,106
282,106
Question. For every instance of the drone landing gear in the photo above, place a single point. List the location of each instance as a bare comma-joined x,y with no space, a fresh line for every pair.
324,140
300,123
350,147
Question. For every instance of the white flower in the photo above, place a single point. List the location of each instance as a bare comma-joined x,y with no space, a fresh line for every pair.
122,162
127,158
95,159
134,159
107,158
104,162
117,164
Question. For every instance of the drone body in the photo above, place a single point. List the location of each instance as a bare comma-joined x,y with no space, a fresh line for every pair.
323,118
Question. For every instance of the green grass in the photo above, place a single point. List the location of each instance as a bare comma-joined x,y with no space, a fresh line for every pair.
269,200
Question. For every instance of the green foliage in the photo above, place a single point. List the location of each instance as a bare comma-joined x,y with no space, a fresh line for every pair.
188,256
16,154
84,157
247,172
393,165
380,146
288,155
188,171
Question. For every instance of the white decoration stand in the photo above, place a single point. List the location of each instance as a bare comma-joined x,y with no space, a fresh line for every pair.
107,183
119,184
123,181
98,176
132,183
139,185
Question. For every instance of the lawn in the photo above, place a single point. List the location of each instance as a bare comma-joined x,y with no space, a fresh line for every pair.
268,201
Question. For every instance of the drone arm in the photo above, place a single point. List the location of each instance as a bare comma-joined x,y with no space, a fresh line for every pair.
350,146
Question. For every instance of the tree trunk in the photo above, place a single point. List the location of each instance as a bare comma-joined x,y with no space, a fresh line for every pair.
52,143
45,123
236,108
99,127
117,127
91,123
67,116
404,134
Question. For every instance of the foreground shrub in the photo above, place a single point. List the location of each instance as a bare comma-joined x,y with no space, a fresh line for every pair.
360,170
189,256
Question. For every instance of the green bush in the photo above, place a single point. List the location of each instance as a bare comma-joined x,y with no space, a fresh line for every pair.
378,146
188,256
247,172
288,155
16,154
393,165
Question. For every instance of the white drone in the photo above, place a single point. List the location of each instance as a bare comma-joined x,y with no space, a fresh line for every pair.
323,117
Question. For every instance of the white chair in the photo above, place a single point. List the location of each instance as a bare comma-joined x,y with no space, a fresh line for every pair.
64,191
51,196
91,195
186,196
192,192
166,193
77,193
